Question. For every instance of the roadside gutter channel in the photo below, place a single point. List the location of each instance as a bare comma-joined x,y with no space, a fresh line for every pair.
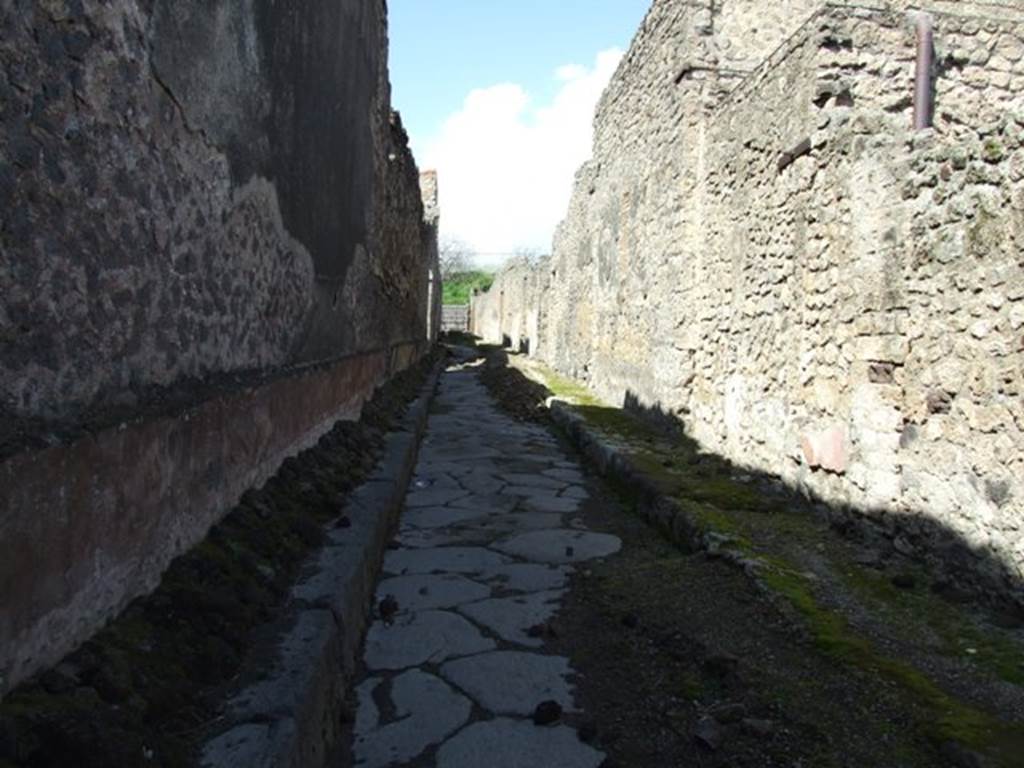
292,716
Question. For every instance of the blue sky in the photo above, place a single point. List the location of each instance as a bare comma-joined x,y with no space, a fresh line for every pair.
498,96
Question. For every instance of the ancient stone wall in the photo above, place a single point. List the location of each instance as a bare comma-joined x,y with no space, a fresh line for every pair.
810,288
869,278
193,188
509,313
212,246
432,218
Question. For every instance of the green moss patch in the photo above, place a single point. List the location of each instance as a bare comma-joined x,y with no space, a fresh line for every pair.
946,718
988,647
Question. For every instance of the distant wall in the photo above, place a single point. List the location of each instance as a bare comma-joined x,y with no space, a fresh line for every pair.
509,313
432,218
851,319
455,318
212,246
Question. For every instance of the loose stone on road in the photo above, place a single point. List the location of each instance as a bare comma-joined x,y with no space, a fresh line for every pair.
487,541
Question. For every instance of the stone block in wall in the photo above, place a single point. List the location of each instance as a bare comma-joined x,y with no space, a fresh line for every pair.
889,348
877,407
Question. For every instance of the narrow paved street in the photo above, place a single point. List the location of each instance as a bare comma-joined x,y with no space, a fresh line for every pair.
456,672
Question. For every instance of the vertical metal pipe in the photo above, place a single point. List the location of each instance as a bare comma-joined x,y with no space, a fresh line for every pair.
924,91
430,305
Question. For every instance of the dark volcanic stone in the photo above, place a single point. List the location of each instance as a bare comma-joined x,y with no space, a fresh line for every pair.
8,739
57,681
951,591
904,581
547,713
113,683
587,733
721,664
961,757
544,630
756,727
709,734
871,558
388,608
1009,618
728,713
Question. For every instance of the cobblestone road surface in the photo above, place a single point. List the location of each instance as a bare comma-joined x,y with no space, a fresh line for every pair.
455,659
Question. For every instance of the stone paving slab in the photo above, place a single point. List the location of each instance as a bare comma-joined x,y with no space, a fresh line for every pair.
419,638
565,475
552,504
443,560
422,481
526,521
257,745
490,502
521,465
429,538
528,577
453,468
482,482
512,682
532,491
574,492
429,497
506,743
483,554
560,546
427,710
534,480
511,617
420,593
439,517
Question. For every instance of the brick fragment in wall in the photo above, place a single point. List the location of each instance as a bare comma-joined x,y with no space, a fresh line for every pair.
826,449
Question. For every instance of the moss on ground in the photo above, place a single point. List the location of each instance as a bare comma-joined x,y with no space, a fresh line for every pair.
989,648
571,391
948,719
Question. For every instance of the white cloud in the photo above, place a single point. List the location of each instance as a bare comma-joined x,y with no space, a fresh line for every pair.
570,72
506,164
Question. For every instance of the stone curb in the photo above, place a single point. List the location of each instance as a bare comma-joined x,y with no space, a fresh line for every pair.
661,510
652,503
291,718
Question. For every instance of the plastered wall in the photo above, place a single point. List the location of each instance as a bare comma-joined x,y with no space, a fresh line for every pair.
212,247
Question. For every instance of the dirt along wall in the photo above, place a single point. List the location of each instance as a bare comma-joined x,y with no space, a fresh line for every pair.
775,259
212,247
